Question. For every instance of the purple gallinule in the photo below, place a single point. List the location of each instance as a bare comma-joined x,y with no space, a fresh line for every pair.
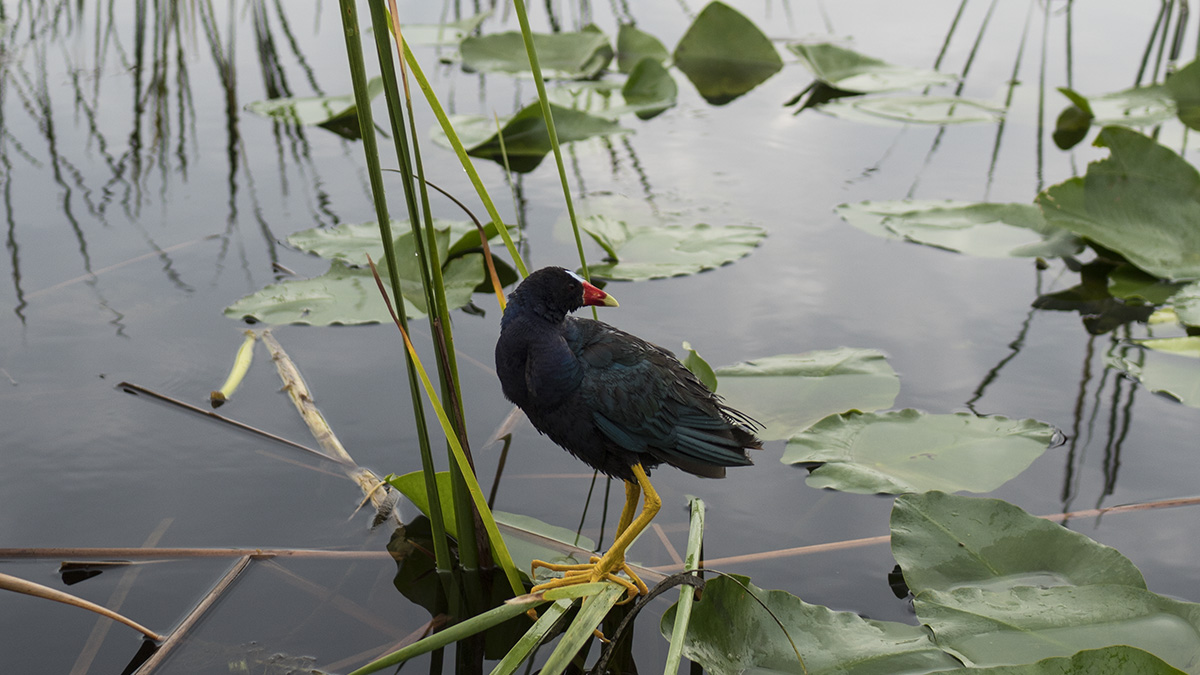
615,401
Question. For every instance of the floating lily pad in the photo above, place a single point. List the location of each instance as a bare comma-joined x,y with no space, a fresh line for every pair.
339,114
1143,202
525,137
913,109
911,451
634,45
578,55
849,70
789,392
445,33
636,252
1074,121
725,55
1184,87
944,541
1186,303
999,586
731,632
647,91
981,229
1165,370
353,242
1131,284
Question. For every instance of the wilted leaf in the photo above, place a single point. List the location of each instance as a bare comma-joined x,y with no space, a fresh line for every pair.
849,70
1143,202
731,633
643,252
788,393
579,55
725,55
982,229
911,451
339,114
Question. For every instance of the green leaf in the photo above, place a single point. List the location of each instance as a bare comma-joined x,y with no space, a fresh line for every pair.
634,45
351,243
348,295
849,70
981,229
339,114
445,33
913,110
638,252
1143,202
1074,121
1184,87
1117,660
699,367
1186,302
525,137
649,89
578,55
1163,366
1130,283
944,542
911,451
725,55
789,392
731,633
998,586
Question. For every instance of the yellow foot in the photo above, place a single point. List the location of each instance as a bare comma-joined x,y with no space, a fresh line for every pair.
597,569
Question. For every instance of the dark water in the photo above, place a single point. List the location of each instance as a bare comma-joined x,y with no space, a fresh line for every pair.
133,216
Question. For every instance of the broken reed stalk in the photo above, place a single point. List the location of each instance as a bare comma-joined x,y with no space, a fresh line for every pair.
18,585
297,390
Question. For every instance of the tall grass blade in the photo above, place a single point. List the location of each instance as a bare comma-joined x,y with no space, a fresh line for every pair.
366,123
687,594
594,609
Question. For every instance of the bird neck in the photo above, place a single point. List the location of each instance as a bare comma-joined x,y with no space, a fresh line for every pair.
521,306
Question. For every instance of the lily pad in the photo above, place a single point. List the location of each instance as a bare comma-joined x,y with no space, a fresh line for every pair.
944,541
348,295
913,110
732,633
339,114
911,451
1186,303
1167,370
725,55
577,55
633,45
1131,284
849,70
1143,202
445,33
986,230
636,252
526,139
648,91
1184,87
353,242
789,392
999,586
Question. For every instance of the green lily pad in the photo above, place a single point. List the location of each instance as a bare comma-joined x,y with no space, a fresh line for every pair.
634,45
1184,87
1115,660
1166,369
526,139
339,114
1182,346
1186,303
732,633
911,451
1074,121
637,253
448,33
849,70
348,295
648,91
578,55
1131,284
1143,202
999,586
353,242
789,392
944,542
725,55
699,367
913,110
980,229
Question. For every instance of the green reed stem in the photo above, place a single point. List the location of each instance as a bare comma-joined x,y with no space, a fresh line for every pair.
366,123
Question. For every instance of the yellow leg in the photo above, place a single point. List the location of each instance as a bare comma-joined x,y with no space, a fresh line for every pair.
612,562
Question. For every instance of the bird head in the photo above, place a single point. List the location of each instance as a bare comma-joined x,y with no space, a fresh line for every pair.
553,292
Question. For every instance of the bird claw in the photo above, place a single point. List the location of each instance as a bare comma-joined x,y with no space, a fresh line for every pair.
594,570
